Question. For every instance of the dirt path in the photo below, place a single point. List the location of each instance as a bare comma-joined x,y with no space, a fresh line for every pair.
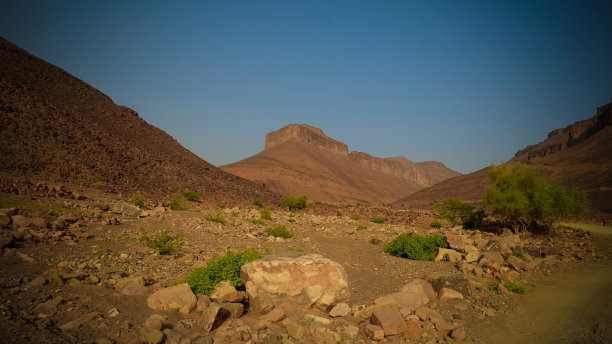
574,306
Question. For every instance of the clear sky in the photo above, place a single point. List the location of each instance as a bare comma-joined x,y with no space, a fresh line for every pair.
467,83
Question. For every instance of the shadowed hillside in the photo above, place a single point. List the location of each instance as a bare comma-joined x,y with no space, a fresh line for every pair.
55,127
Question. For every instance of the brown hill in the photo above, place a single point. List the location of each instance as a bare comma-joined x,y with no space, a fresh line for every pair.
579,155
54,127
300,159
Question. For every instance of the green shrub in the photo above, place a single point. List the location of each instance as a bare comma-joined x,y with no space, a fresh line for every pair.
164,243
338,213
379,220
223,268
374,241
291,220
192,196
494,286
178,203
518,253
265,214
219,218
454,211
415,246
361,228
279,232
294,203
234,214
140,201
258,222
357,218
435,224
474,220
522,199
257,202
515,288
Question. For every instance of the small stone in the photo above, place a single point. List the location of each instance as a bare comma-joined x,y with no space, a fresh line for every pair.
149,335
320,320
179,296
458,333
203,302
351,331
449,294
296,331
414,329
214,316
154,323
113,313
38,281
222,290
374,332
340,310
277,314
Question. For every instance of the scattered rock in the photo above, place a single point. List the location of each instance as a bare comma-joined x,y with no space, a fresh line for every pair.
449,294
414,329
179,296
389,319
214,316
125,208
340,310
448,255
402,300
275,315
420,286
22,221
222,290
374,332
455,281
150,335
458,333
202,303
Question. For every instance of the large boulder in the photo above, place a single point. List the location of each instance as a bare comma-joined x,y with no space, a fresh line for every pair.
126,208
307,279
22,221
177,297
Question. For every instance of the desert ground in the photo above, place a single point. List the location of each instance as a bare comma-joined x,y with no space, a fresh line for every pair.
74,270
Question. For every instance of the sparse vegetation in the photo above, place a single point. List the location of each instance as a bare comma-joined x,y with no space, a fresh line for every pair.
494,286
10,203
265,214
139,200
415,246
522,199
221,206
515,288
375,241
279,232
454,211
338,213
356,218
164,243
294,203
518,253
178,203
361,228
218,218
435,224
379,220
258,202
258,222
192,196
291,220
223,268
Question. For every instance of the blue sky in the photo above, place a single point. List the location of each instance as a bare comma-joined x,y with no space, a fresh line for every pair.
467,83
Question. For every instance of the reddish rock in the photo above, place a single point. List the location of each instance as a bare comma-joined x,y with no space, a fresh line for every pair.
374,332
420,286
275,315
402,300
458,333
389,319
179,296
449,294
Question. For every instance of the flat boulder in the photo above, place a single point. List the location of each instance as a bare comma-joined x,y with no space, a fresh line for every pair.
420,286
22,221
126,208
302,278
177,297
390,320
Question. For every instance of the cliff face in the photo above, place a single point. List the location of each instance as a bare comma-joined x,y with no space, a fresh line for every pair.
560,139
301,159
306,134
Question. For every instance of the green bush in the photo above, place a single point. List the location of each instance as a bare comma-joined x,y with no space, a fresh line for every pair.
223,268
140,201
357,218
164,243
265,214
515,288
338,213
454,211
294,203
178,203
192,196
257,202
218,218
361,228
494,286
518,253
415,246
279,232
435,224
291,220
258,222
379,220
475,220
522,199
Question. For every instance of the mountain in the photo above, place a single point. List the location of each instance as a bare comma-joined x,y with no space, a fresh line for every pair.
579,155
301,160
56,128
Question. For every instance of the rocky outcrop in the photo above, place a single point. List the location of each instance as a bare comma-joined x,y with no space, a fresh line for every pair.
306,134
563,138
307,279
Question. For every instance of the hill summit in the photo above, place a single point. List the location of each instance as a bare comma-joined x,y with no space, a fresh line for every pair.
301,159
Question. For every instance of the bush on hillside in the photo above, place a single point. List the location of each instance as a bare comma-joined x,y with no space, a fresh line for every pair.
140,201
192,196
294,203
164,243
279,232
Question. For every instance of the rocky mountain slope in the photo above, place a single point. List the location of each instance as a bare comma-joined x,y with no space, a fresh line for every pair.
54,127
579,155
301,159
